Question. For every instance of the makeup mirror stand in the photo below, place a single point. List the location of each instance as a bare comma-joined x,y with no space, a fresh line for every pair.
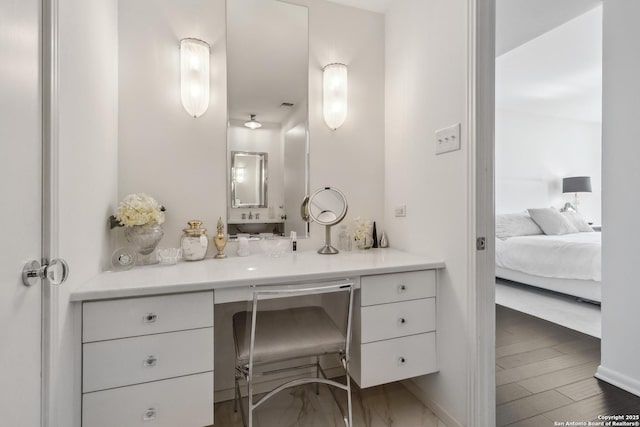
327,206
327,249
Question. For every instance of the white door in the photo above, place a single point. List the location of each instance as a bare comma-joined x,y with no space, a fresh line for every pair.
20,211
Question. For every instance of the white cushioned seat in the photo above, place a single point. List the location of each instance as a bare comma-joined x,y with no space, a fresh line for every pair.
287,334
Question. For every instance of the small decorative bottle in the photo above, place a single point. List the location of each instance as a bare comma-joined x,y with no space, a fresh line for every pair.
220,240
344,239
384,242
194,242
374,236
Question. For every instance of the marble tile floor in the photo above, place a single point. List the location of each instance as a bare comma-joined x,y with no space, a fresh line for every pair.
390,405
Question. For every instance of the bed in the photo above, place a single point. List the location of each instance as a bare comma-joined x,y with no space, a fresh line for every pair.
569,263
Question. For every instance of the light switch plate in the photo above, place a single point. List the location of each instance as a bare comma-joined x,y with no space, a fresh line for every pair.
448,139
401,211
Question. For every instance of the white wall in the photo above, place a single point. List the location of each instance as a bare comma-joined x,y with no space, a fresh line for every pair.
534,153
181,161
549,114
621,151
426,83
88,141
163,151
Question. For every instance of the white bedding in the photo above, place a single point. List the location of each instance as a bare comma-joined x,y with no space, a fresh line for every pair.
568,256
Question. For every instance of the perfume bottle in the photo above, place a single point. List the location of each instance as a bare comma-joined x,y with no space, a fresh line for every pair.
384,242
374,236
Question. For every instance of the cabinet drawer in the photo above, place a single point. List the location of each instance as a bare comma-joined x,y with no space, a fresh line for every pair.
399,319
105,320
185,402
117,363
395,287
397,359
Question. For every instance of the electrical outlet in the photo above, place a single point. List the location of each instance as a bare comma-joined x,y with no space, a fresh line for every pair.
448,139
401,211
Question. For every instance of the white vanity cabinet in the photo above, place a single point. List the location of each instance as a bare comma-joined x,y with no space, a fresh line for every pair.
394,334
148,361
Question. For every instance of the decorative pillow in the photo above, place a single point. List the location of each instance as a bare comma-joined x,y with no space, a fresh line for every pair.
551,221
516,224
577,220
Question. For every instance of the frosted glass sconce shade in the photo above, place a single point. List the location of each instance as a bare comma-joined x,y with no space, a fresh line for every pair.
194,76
335,82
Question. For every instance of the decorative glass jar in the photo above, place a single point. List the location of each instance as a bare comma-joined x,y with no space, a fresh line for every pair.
145,239
194,242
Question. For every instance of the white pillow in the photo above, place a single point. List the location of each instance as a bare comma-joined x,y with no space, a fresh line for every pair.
551,221
516,224
577,220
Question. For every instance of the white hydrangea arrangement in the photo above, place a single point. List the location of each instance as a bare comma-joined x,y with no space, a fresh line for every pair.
139,209
361,227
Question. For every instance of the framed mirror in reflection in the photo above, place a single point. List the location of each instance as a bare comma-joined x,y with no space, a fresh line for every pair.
249,180
267,78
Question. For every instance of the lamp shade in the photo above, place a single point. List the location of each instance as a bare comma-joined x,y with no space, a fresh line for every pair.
194,76
576,184
334,102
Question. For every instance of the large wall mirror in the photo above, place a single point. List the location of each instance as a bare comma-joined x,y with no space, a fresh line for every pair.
267,78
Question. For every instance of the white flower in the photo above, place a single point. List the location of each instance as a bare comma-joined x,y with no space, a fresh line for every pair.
361,227
139,209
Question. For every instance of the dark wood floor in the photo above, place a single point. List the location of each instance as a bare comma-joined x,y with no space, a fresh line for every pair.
544,373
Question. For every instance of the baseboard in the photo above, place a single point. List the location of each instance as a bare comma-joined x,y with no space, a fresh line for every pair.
438,410
619,380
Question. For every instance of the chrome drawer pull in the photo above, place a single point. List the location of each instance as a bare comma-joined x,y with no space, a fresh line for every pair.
149,414
402,321
150,361
401,361
150,318
402,288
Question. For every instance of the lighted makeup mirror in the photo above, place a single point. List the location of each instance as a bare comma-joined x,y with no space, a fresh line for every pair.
327,206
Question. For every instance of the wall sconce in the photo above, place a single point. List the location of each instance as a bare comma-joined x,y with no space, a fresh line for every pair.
335,82
194,76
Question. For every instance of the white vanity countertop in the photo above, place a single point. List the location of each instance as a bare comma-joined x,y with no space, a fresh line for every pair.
238,272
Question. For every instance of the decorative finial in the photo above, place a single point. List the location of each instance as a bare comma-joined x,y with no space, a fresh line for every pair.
220,240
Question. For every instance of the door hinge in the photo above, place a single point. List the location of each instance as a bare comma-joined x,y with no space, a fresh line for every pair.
481,243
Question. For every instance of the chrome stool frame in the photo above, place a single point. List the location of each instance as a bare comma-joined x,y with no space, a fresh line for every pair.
246,371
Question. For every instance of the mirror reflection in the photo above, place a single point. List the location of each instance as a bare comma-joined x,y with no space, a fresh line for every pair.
267,66
248,180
